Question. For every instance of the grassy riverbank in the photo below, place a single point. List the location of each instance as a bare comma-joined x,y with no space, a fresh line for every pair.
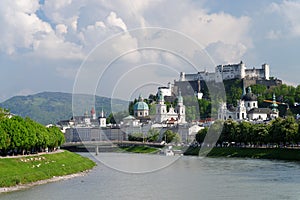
259,153
23,170
140,149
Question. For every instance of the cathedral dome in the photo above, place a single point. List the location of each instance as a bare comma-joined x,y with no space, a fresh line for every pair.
141,105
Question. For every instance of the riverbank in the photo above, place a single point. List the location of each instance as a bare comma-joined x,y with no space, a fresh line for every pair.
23,172
257,153
140,149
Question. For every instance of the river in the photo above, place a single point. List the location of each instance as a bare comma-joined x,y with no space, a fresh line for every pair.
185,178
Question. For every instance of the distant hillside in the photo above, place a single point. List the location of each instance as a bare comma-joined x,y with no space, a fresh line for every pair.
51,107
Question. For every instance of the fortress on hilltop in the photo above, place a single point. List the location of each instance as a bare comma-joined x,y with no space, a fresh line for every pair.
193,83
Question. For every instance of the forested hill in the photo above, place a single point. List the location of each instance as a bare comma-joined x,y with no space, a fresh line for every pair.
51,107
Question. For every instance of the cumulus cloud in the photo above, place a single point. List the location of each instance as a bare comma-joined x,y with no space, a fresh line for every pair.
24,30
288,11
226,53
66,30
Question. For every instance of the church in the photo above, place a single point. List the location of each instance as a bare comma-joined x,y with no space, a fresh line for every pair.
247,109
174,115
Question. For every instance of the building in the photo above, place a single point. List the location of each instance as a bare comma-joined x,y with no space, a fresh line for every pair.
229,71
84,121
247,109
173,116
165,91
102,120
140,108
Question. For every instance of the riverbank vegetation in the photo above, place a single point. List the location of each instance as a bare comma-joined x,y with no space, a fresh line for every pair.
153,135
140,149
278,139
25,136
28,169
257,153
278,133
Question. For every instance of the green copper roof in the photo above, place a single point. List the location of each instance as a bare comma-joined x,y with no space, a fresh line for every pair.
179,98
140,105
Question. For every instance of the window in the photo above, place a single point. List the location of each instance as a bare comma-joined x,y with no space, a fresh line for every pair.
141,113
253,104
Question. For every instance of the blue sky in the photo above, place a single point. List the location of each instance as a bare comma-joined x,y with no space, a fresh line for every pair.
44,43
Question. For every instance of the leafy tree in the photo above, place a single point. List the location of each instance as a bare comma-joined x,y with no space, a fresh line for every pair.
201,135
169,136
139,137
153,135
289,129
276,136
3,113
4,141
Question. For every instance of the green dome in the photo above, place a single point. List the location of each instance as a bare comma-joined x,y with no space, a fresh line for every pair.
140,106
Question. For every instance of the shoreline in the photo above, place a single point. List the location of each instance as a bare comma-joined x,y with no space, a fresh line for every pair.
286,154
42,182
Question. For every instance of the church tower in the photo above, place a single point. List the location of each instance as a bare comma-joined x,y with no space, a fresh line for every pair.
93,113
102,119
180,109
161,109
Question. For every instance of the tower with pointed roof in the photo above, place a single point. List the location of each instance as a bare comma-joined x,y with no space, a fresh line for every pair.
93,113
274,107
180,109
161,109
102,119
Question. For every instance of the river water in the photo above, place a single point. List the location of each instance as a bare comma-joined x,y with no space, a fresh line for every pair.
186,178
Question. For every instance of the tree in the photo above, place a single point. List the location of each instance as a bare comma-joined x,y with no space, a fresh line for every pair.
228,132
245,133
152,135
4,141
201,135
169,136
139,137
3,113
289,129
276,136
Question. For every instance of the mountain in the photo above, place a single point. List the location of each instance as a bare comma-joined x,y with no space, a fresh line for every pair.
51,107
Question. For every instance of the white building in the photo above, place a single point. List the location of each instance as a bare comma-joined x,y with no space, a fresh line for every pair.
229,71
165,91
140,108
247,108
176,115
102,120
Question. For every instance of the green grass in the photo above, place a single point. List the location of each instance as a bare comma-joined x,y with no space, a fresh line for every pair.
140,149
259,153
14,171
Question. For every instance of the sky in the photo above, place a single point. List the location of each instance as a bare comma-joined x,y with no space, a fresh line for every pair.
122,48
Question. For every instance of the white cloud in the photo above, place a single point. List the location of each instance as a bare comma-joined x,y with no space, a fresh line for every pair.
67,31
288,11
61,29
113,20
226,53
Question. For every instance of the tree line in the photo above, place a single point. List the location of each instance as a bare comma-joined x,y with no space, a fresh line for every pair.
153,135
279,132
24,136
